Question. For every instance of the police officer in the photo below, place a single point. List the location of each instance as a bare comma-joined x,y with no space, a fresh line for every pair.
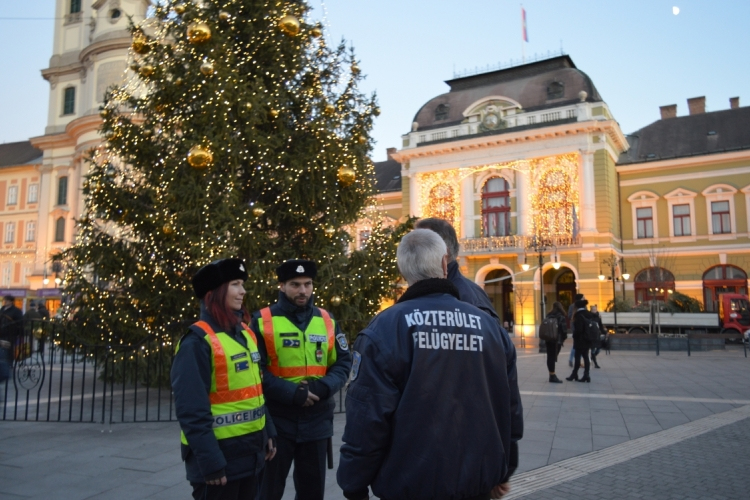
227,434
306,361
428,408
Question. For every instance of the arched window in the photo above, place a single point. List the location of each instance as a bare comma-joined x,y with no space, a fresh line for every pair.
722,279
60,229
496,207
653,283
442,205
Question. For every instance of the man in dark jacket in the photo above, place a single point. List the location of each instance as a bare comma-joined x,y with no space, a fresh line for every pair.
11,324
428,405
470,292
306,361
581,343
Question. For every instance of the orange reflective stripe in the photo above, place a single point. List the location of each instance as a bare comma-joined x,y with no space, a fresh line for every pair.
298,371
329,328
220,360
250,334
236,395
270,341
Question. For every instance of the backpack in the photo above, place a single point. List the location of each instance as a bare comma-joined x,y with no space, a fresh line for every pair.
591,331
548,329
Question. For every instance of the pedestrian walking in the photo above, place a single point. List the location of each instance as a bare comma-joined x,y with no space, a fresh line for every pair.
581,342
571,313
227,434
470,292
596,348
306,361
428,405
558,315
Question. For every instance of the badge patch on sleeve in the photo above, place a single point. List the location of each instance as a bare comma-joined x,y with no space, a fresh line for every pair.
291,343
341,338
255,356
356,362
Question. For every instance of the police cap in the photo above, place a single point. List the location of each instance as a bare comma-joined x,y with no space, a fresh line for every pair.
296,268
213,275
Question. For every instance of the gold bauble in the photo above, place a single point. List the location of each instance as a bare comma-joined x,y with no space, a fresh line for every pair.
104,113
376,111
167,229
273,113
180,8
330,109
362,139
224,15
248,106
178,81
141,44
150,319
258,211
207,68
200,157
146,70
198,32
289,25
329,230
355,69
316,32
347,175
335,300
134,66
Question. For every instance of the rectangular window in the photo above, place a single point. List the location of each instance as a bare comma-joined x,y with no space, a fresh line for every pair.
75,6
645,220
720,217
681,220
33,193
10,230
12,195
69,101
62,191
6,274
30,230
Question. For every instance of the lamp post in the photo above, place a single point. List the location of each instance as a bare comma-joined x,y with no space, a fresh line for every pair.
613,262
539,246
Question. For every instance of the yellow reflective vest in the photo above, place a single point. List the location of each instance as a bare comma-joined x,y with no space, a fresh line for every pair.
236,395
295,355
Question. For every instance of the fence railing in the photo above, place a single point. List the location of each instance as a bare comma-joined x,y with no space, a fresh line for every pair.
56,377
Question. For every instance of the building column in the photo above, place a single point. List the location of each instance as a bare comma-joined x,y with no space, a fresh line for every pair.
467,207
588,198
522,204
45,206
414,209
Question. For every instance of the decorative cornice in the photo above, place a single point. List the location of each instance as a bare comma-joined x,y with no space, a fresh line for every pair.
104,46
712,158
608,127
73,131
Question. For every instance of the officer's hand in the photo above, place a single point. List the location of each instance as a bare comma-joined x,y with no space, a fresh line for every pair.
311,398
500,490
217,482
270,450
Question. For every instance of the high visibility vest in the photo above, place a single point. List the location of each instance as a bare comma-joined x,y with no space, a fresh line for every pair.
295,355
236,394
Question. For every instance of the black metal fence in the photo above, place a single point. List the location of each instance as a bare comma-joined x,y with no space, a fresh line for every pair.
55,377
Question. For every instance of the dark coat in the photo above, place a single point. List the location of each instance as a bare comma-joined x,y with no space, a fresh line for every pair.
428,405
470,292
11,322
285,399
206,457
562,322
580,341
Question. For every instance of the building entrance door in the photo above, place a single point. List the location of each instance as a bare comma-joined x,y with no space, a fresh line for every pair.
499,287
566,288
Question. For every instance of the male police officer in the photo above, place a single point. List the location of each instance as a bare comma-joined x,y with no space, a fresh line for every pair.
306,361
470,292
428,405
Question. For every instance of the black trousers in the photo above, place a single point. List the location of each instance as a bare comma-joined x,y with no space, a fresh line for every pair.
553,349
309,469
240,489
586,361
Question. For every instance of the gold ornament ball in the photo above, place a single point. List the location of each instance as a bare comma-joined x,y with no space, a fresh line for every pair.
289,25
248,106
274,113
330,230
178,81
355,69
104,113
347,175
362,139
330,109
167,229
198,32
140,44
335,300
258,211
224,15
180,8
376,111
316,32
134,66
200,157
146,70
207,68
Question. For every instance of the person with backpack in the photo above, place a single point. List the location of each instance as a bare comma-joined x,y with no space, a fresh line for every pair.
597,346
554,332
585,332
571,313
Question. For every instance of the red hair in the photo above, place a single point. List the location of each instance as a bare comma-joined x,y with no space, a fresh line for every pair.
216,305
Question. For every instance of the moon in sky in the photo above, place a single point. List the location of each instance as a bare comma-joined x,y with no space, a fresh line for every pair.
675,10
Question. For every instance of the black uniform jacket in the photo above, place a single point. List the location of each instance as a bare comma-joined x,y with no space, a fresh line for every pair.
206,457
470,292
285,399
428,405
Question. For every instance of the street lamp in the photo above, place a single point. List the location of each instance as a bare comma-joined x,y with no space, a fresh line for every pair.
613,262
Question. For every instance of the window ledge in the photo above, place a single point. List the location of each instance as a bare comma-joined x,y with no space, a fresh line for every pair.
683,239
645,241
724,236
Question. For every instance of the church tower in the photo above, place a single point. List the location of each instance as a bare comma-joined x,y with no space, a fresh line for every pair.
89,54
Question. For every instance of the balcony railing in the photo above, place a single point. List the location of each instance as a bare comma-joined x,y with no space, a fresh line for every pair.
514,243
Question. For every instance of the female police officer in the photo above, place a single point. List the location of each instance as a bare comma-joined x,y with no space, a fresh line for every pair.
226,431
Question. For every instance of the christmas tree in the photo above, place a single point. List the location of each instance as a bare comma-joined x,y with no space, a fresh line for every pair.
240,134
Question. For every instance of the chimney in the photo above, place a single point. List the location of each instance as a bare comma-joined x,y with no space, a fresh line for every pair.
389,152
734,102
668,111
697,105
